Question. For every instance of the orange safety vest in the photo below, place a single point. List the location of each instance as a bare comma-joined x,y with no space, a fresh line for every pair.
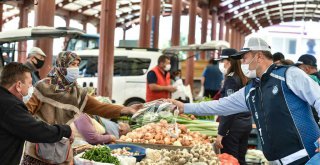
162,81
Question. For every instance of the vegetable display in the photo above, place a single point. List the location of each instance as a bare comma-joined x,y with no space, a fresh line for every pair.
209,128
204,99
256,156
227,159
153,112
188,117
158,133
125,151
100,154
199,154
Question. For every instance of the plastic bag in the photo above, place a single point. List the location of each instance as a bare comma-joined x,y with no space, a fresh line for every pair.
124,160
54,153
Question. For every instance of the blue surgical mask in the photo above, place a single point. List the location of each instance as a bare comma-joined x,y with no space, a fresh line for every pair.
72,74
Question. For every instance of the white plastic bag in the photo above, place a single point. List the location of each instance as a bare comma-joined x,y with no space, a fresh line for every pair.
124,160
182,91
200,95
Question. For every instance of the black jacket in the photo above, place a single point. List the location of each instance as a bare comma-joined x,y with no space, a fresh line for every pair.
240,122
18,125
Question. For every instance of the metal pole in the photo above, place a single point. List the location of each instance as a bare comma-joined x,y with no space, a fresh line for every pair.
44,16
106,51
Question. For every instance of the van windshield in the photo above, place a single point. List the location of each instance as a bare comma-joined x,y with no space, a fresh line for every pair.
123,66
76,44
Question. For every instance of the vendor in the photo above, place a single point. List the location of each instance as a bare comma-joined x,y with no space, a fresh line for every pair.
58,99
98,130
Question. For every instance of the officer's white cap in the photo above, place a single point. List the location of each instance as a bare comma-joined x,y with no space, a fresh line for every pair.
252,44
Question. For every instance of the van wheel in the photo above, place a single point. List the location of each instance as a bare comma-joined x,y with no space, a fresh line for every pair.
134,101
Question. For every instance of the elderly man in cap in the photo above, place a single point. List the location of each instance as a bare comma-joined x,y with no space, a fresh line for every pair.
308,63
34,62
279,98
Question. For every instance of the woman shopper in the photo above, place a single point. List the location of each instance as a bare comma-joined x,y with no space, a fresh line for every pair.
97,130
58,100
234,130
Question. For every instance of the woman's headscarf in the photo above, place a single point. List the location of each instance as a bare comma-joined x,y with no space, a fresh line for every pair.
58,73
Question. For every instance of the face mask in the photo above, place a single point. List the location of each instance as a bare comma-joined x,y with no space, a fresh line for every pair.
168,67
27,97
247,72
72,74
222,69
39,63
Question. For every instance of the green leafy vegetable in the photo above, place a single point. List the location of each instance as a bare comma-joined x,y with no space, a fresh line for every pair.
100,154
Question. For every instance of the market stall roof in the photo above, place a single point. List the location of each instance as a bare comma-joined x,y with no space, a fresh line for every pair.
127,12
32,33
244,15
250,15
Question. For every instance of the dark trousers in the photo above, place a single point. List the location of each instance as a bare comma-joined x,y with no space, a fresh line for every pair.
235,144
210,93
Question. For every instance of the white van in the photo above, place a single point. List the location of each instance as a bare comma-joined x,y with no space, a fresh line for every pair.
130,72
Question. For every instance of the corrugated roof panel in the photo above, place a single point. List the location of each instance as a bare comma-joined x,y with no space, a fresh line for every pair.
72,6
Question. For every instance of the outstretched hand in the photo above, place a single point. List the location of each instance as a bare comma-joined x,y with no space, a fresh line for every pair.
136,106
179,104
131,109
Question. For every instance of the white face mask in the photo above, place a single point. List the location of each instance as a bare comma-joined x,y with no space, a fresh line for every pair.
168,67
27,97
247,72
223,69
72,74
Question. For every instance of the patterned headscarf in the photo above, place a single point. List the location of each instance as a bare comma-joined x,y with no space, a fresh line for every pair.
58,73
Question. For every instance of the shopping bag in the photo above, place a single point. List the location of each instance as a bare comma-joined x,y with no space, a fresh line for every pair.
54,153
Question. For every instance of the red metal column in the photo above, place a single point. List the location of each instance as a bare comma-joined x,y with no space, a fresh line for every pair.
230,36
238,40
191,39
65,42
145,19
214,25
221,29
23,22
155,23
106,51
234,38
242,40
1,16
44,15
176,14
204,27
227,33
